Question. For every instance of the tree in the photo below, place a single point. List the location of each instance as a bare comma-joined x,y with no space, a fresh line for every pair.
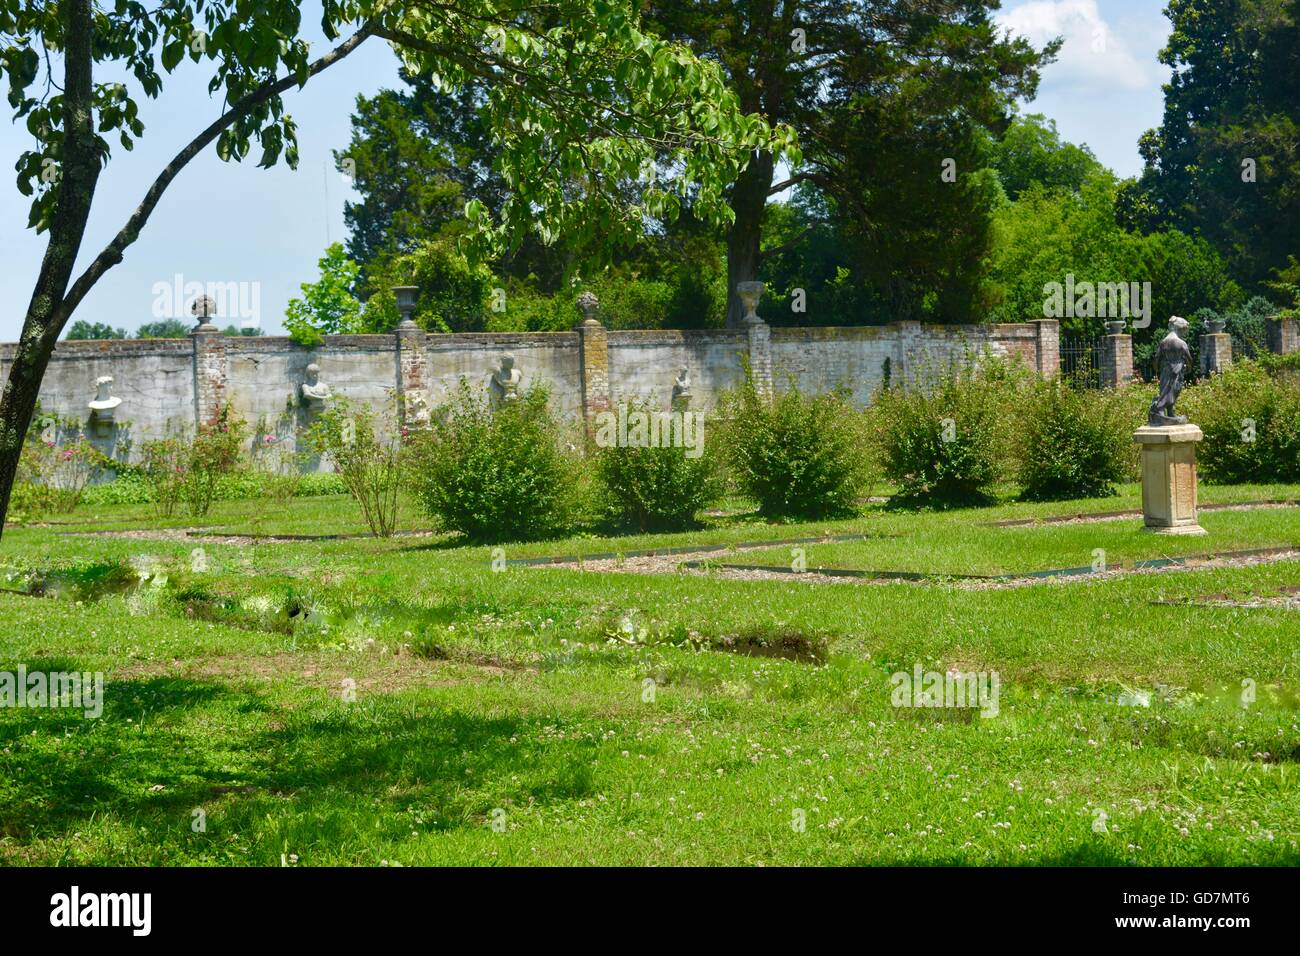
1032,151
1225,160
164,329
81,330
327,306
578,95
1049,233
850,77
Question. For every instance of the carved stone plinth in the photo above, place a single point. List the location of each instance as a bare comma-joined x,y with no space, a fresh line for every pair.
1169,478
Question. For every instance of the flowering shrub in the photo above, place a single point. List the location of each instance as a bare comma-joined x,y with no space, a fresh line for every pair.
186,469
278,464
52,475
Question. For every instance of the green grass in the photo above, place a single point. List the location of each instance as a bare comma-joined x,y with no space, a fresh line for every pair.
519,692
952,548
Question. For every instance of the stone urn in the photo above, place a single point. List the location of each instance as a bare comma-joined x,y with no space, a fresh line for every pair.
588,304
750,293
1215,326
1115,327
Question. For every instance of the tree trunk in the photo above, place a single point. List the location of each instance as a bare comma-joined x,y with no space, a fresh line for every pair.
45,313
748,200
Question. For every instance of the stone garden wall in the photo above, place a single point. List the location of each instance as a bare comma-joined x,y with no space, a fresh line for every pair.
169,385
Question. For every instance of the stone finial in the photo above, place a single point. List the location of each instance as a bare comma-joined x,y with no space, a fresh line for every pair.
587,305
750,293
204,308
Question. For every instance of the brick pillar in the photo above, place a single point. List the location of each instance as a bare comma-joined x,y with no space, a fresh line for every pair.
1284,334
1216,353
1116,360
760,355
759,336
210,372
412,399
593,361
1048,352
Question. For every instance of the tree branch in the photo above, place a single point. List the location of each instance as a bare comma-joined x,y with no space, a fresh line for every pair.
799,237
111,254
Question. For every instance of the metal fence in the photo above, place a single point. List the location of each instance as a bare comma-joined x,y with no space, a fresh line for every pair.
1081,362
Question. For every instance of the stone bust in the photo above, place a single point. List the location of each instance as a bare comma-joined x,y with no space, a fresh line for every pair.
681,396
104,400
1172,360
314,391
505,381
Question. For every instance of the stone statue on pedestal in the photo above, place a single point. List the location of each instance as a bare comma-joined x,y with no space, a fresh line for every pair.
1172,360
505,381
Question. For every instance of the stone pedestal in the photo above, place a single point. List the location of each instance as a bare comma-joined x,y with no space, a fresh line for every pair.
1169,478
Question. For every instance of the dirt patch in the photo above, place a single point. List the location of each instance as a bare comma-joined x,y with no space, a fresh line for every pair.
1287,598
207,535
787,644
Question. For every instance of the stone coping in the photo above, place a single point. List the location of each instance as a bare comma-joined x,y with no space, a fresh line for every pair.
1167,434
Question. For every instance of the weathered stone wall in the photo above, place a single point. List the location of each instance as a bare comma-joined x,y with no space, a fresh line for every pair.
860,358
153,377
170,385
643,365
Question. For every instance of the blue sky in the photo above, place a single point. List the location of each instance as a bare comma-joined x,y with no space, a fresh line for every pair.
225,222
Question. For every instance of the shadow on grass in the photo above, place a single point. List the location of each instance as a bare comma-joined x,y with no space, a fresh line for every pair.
166,746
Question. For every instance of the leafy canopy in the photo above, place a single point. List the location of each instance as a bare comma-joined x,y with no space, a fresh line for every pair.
580,100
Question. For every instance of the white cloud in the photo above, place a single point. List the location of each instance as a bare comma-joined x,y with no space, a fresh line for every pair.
1094,54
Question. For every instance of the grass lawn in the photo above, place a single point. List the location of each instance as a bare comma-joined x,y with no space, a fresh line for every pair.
958,546
364,701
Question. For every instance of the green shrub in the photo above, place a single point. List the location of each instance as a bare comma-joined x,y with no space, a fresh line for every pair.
164,461
213,454
659,487
1073,443
131,488
497,475
943,441
797,456
127,489
1251,422
369,465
